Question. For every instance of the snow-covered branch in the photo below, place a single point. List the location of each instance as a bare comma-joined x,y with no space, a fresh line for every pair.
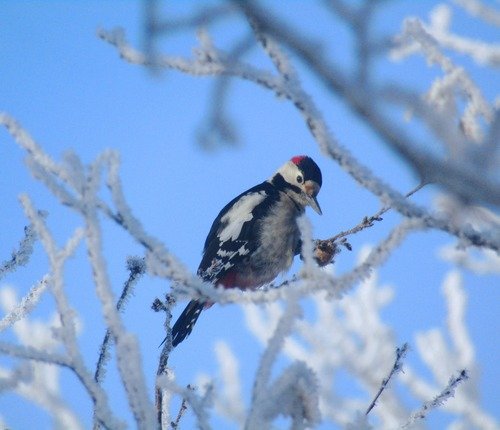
317,326
21,256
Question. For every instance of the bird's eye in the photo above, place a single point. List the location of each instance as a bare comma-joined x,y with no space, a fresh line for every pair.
299,179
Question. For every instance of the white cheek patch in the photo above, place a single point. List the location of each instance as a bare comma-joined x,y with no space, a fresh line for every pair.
240,213
289,172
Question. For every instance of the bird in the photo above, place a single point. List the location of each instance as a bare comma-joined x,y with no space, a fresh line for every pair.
255,236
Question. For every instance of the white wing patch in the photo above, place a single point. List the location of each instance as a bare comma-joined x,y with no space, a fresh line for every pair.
240,213
240,251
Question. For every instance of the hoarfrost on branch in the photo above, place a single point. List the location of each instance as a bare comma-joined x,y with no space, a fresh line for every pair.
460,157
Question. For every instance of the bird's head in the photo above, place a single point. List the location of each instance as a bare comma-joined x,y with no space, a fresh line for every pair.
301,179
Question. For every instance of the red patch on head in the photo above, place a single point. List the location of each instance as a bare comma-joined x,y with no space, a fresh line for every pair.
297,159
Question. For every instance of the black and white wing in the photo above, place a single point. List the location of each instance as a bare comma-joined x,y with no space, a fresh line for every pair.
234,233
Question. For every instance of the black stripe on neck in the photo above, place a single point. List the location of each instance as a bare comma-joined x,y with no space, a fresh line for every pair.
281,185
279,182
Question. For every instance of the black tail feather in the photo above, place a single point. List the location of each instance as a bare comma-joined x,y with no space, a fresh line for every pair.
186,321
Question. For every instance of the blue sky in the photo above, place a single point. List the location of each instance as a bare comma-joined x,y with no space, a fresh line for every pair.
70,90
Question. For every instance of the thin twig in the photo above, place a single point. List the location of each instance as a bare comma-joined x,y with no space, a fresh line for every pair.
203,18
22,255
437,401
182,410
26,305
339,83
326,249
158,305
137,269
369,221
218,126
400,354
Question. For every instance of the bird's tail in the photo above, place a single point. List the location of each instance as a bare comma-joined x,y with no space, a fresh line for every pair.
186,321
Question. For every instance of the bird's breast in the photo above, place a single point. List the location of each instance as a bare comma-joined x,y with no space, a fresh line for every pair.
279,237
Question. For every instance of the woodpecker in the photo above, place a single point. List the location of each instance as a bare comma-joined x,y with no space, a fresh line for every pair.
255,236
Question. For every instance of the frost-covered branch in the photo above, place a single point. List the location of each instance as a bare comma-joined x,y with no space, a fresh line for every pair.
397,366
69,183
439,400
180,414
443,358
198,403
477,261
336,81
126,344
22,255
29,353
454,144
360,342
367,221
460,178
27,303
439,24
218,126
67,332
38,381
291,394
480,9
136,268
443,91
163,397
205,15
